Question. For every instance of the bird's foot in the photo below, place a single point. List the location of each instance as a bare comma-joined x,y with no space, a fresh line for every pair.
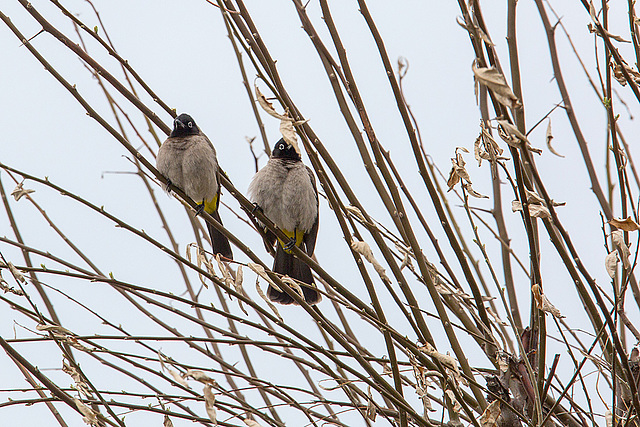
256,207
289,245
168,186
200,208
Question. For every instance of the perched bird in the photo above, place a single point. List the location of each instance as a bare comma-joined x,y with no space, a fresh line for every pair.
188,160
285,190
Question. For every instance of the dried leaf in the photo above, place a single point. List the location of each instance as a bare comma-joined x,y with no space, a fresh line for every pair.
371,408
57,329
535,211
512,136
90,416
495,81
264,297
286,122
199,376
209,404
456,405
266,105
592,12
365,250
237,285
19,192
617,238
167,421
608,416
251,423
353,210
549,138
289,133
178,378
458,170
543,303
473,193
611,263
489,417
627,224
16,273
537,294
79,383
446,360
4,286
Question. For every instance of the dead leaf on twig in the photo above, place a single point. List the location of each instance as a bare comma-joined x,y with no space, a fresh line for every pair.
611,263
549,137
493,79
627,224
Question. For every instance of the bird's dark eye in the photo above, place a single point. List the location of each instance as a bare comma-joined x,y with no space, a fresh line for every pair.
281,147
190,124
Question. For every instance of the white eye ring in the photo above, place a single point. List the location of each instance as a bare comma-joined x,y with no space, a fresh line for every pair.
190,124
281,146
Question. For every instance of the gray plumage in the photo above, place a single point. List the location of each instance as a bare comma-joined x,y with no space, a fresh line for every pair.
285,190
188,160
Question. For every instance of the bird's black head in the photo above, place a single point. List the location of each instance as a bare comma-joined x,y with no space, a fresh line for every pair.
184,125
283,150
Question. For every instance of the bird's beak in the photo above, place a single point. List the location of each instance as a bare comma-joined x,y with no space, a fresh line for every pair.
177,123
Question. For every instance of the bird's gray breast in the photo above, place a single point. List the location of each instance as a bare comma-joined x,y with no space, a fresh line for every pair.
190,163
284,191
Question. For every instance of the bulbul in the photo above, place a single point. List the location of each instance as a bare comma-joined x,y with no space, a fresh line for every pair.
285,190
188,160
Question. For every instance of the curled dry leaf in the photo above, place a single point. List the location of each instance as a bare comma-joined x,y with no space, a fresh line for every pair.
535,211
608,416
56,329
353,210
16,273
167,421
543,302
447,361
627,224
237,285
452,397
293,284
617,238
618,73
512,136
199,376
495,81
261,272
365,250
177,377
209,404
79,385
269,303
89,415
489,417
286,123
4,286
458,170
19,192
372,413
251,423
470,191
611,263
266,105
549,137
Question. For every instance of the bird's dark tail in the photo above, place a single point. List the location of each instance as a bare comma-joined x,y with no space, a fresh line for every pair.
286,263
219,241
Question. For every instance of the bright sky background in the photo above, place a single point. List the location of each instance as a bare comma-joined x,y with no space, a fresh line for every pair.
182,51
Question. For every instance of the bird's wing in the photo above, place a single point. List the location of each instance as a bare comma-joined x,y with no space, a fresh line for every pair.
311,235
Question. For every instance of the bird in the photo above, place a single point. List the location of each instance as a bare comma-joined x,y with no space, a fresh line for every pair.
285,191
187,159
